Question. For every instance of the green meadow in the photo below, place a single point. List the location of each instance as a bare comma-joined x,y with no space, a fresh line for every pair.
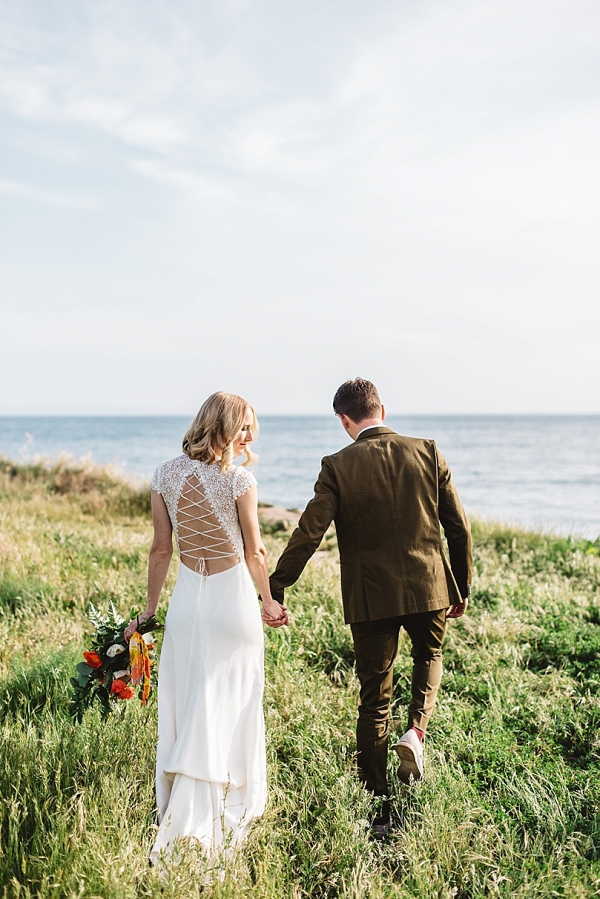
510,805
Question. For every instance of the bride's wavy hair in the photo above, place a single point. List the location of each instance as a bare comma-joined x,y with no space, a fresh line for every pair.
211,434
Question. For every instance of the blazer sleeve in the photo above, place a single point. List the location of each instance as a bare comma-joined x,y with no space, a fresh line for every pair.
307,536
456,528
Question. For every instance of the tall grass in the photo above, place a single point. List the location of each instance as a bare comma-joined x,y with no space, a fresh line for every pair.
510,805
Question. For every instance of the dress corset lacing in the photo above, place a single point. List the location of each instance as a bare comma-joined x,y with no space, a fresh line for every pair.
200,535
201,501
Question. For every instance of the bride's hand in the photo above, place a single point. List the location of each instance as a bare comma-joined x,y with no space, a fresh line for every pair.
134,624
273,613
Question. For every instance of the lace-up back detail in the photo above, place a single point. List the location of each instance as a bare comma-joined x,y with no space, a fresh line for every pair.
201,501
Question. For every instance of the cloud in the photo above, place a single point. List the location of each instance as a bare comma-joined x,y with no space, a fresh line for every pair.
153,79
70,201
420,83
199,185
401,174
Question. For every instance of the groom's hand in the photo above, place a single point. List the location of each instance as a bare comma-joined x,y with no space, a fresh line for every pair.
273,613
276,622
458,610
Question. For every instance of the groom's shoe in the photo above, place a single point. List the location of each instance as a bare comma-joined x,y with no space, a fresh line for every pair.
410,751
382,822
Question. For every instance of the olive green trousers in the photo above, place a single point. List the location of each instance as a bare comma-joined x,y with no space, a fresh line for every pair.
375,648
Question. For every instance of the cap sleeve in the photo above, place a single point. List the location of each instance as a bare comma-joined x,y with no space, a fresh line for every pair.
156,482
242,481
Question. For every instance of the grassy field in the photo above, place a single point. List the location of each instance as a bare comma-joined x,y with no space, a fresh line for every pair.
510,805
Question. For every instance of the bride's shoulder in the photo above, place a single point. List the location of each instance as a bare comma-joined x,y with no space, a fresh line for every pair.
241,480
168,469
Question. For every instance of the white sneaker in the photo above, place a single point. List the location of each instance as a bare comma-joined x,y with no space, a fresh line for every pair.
410,751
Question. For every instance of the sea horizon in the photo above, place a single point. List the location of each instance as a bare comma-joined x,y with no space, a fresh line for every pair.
540,471
9,415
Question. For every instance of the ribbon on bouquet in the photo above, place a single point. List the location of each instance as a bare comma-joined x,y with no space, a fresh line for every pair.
141,664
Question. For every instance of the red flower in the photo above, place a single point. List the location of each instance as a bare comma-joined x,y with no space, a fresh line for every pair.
93,659
121,690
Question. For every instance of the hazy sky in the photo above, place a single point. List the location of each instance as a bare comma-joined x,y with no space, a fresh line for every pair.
270,197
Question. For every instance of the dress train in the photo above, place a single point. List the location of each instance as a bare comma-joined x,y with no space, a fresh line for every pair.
211,762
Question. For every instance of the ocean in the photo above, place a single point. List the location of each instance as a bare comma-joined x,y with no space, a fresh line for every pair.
538,471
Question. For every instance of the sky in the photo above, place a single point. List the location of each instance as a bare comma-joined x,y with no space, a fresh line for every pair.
271,197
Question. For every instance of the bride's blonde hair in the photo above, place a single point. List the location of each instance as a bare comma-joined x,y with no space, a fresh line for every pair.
211,434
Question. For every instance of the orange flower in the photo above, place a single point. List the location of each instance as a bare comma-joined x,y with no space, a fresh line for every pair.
93,659
121,690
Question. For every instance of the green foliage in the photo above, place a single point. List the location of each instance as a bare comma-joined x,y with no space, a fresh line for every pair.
509,807
41,687
571,645
279,526
22,593
98,487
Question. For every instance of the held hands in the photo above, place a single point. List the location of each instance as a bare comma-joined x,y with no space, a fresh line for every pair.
273,613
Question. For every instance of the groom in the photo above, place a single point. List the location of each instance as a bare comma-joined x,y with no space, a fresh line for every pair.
388,495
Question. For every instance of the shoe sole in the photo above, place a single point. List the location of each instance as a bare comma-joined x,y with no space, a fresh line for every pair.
409,763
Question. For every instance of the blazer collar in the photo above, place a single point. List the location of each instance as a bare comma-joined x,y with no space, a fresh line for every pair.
374,432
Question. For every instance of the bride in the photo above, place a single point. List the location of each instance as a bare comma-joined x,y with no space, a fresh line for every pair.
211,761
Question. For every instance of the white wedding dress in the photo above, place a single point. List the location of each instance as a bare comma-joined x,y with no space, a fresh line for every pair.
211,761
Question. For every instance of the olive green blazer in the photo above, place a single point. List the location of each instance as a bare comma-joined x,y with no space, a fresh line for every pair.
388,495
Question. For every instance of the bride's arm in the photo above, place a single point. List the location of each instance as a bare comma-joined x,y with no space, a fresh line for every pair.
158,562
256,556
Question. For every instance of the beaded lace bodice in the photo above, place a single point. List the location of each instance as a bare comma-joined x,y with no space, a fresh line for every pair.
201,501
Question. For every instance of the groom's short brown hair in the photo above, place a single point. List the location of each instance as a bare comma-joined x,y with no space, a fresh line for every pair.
358,399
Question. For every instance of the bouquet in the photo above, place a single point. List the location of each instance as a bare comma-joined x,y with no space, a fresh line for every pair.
112,668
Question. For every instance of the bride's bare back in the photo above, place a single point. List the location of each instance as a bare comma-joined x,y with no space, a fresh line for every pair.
201,501
203,542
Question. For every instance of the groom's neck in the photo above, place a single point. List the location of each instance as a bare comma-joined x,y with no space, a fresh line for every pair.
355,427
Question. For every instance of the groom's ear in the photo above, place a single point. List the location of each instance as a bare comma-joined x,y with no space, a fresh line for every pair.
349,425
